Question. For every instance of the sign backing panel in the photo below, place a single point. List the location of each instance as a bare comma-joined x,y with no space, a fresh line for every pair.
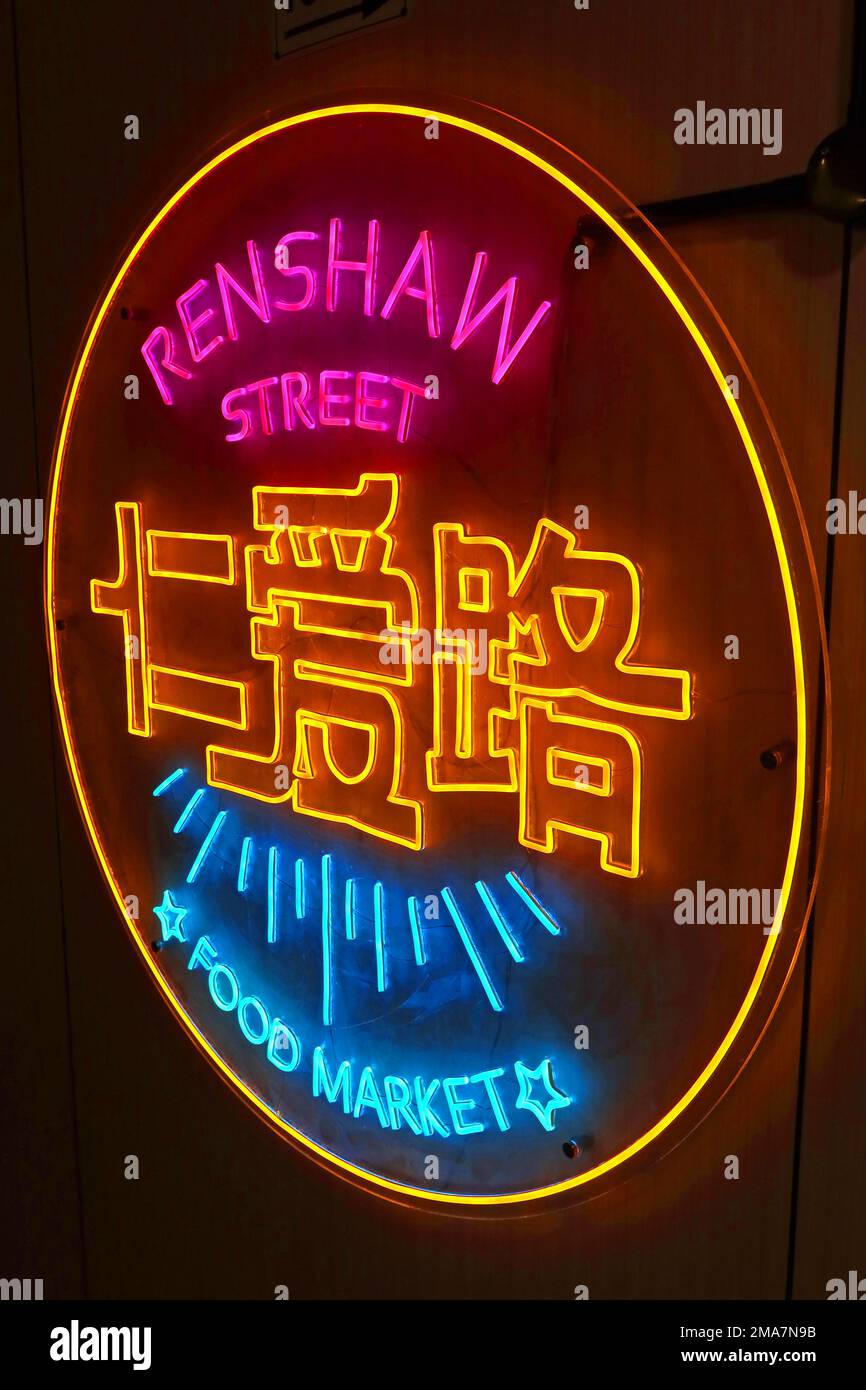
433,636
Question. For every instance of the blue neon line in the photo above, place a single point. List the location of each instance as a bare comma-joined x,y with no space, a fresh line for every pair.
351,928
415,923
300,888
244,866
205,846
379,920
188,810
495,1001
547,920
272,893
327,1006
169,781
499,921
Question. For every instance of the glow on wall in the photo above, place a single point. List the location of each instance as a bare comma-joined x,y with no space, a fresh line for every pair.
398,539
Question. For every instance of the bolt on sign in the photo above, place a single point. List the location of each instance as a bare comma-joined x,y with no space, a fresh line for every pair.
432,621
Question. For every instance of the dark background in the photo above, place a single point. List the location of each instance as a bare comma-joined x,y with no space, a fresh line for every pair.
92,1067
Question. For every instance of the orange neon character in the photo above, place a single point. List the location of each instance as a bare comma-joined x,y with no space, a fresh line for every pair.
323,590
145,558
530,664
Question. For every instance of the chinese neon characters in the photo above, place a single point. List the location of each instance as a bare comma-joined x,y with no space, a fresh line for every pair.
327,689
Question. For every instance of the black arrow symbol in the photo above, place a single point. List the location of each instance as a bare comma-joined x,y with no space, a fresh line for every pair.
365,9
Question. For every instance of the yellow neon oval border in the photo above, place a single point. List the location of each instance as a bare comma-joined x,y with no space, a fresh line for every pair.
390,108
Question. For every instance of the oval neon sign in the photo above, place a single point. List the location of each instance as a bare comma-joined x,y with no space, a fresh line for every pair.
424,605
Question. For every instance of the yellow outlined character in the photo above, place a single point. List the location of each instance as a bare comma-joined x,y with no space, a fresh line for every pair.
123,598
576,618
326,597
143,558
559,636
555,799
472,749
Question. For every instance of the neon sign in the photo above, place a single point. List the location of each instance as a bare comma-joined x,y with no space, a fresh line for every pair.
398,729
202,337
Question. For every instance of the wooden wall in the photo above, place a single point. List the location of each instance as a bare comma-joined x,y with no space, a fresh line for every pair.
92,1068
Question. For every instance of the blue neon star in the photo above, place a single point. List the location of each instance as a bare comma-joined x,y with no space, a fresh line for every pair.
171,916
544,1113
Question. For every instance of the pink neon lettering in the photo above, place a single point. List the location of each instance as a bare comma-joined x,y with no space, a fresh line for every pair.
363,402
467,323
423,252
296,401
368,266
262,387
190,325
257,301
410,391
157,358
328,398
361,389
232,412
304,270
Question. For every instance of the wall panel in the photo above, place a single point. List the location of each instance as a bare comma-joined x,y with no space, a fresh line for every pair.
223,1208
